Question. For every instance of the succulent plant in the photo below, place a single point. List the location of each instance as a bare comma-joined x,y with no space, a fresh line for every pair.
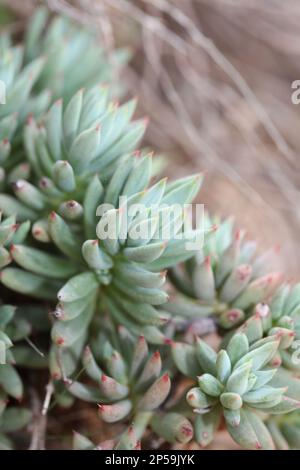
173,427
127,441
128,377
87,137
285,428
284,319
18,82
130,385
281,318
285,431
15,327
10,232
89,233
10,381
122,275
40,71
60,74
12,419
225,279
235,383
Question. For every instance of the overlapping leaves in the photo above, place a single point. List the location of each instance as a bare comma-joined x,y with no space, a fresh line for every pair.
225,279
235,382
39,71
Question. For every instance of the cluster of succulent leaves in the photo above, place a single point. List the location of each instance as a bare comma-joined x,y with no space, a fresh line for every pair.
226,279
41,70
16,326
68,149
128,440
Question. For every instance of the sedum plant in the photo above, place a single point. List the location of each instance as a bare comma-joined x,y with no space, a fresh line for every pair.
225,279
18,82
172,427
124,303
127,441
129,385
236,384
285,431
11,330
12,418
38,72
44,38
284,319
10,232
128,378
265,323
73,144
243,382
124,275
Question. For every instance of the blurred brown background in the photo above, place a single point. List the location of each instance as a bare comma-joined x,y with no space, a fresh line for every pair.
214,76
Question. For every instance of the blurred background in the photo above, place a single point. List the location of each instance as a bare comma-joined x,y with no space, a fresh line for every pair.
214,77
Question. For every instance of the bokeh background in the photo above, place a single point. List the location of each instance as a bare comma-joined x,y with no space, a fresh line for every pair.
214,77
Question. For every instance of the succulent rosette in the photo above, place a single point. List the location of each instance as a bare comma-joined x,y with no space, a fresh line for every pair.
225,279
40,71
235,383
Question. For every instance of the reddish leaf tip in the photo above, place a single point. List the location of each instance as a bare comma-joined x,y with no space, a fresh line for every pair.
207,262
238,235
168,342
233,315
186,430
29,119
258,445
156,355
137,446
